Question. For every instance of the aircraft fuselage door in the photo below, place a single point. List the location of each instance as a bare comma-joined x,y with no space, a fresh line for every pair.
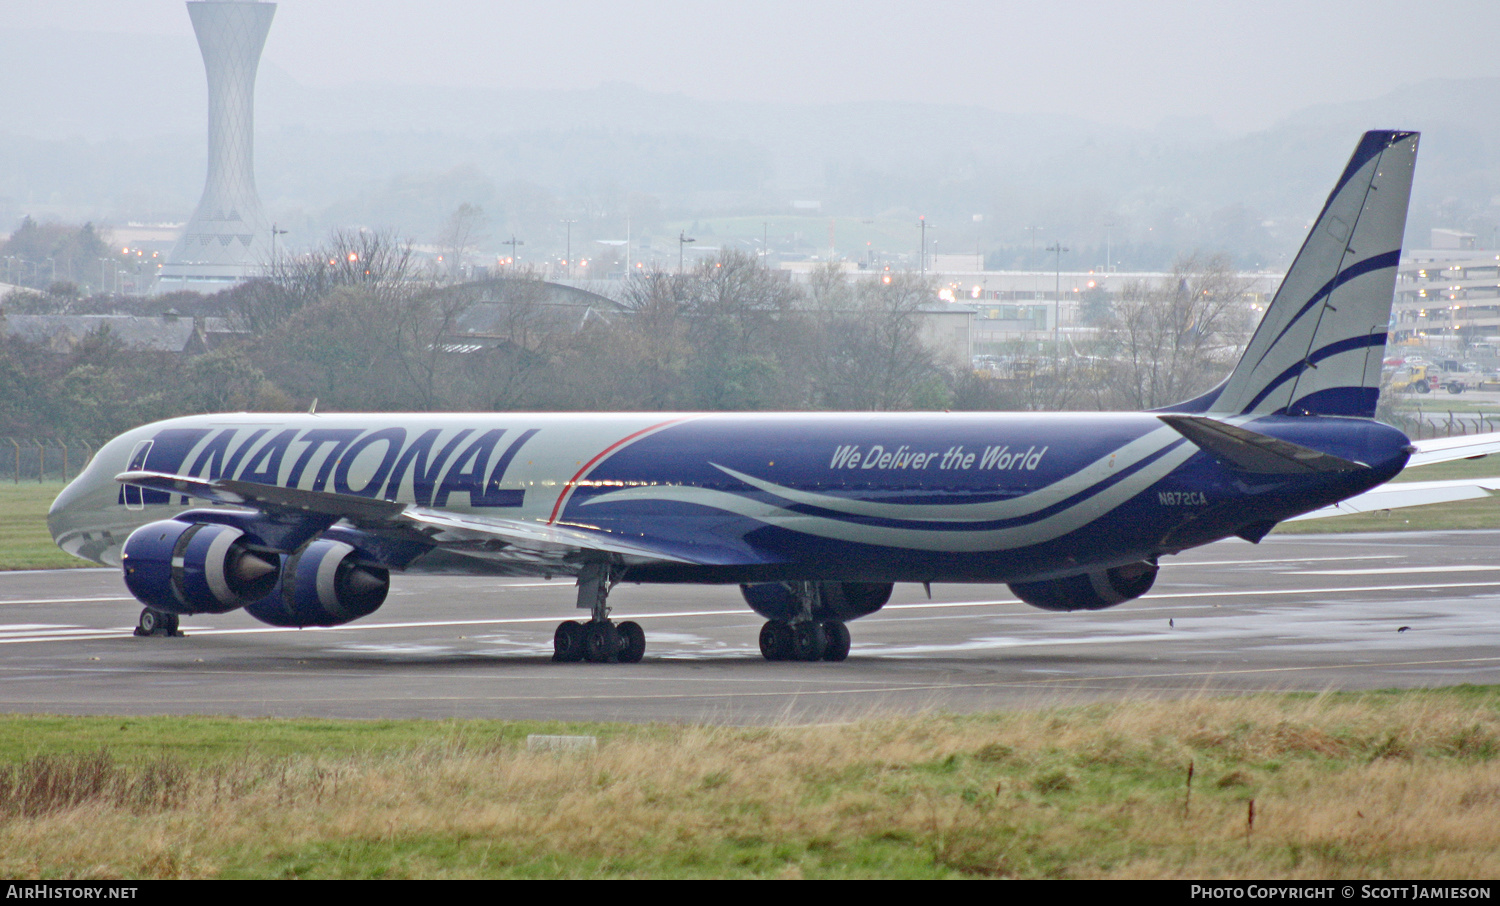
132,494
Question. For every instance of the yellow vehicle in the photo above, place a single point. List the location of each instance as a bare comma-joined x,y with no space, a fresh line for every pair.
1421,378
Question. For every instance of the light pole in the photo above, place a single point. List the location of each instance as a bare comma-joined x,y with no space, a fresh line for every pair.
1059,248
682,240
568,256
275,231
513,242
922,256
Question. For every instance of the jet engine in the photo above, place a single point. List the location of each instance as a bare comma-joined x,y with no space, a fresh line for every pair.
1094,590
323,584
837,601
195,567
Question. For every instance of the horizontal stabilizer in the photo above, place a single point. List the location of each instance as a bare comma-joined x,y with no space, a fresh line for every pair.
1408,494
1249,451
1446,449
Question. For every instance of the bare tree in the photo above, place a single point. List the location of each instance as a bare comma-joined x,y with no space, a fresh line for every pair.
377,263
525,334
1172,340
460,234
871,356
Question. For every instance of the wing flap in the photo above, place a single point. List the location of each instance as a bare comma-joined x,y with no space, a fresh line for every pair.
533,537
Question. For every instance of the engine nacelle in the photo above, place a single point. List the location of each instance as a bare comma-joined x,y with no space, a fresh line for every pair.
195,567
837,601
324,584
1089,591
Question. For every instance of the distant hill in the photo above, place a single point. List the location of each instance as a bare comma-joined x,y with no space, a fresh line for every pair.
114,138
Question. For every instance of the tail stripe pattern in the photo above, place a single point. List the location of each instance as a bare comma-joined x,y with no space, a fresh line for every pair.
1317,350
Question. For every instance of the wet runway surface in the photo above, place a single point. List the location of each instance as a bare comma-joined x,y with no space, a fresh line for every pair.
1293,613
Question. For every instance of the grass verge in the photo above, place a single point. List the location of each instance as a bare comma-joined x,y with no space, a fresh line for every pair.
1374,786
24,540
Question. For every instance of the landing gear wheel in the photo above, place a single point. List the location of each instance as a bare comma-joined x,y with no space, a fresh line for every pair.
601,642
808,641
156,622
776,640
632,642
837,636
567,642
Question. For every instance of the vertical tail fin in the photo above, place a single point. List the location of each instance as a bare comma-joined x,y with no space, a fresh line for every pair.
1319,347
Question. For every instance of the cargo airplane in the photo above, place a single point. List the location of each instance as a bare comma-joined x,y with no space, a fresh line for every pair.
301,519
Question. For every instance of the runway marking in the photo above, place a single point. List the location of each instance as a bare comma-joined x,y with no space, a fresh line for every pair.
1396,569
1279,560
96,600
1228,594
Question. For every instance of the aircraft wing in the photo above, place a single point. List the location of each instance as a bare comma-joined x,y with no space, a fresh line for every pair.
1447,449
482,536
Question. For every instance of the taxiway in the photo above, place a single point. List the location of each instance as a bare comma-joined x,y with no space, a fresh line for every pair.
1308,613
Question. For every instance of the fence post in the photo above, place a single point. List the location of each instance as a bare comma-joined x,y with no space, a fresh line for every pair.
41,460
64,444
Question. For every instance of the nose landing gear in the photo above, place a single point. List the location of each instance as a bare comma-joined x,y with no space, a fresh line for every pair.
156,622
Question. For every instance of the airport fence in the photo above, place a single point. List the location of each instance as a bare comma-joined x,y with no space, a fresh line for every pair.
43,459
1429,423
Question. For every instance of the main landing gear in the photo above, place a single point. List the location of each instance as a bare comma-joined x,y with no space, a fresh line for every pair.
156,622
804,638
600,640
805,641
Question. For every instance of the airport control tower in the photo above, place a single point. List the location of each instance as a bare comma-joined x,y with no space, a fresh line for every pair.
229,239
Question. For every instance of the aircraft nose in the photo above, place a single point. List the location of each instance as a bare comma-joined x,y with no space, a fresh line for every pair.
77,518
62,515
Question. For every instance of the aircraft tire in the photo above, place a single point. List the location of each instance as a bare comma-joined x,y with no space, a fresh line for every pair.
632,642
567,642
808,641
776,640
601,642
837,636
156,622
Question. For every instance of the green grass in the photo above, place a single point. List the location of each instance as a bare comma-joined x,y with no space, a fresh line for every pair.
1482,513
24,540
1371,785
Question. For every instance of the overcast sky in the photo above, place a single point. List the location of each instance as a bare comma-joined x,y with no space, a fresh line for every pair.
1243,64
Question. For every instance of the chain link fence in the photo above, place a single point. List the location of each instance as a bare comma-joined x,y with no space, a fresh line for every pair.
43,459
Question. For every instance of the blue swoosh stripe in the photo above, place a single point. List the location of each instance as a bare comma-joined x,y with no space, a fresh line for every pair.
928,525
1332,349
1359,269
1373,144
